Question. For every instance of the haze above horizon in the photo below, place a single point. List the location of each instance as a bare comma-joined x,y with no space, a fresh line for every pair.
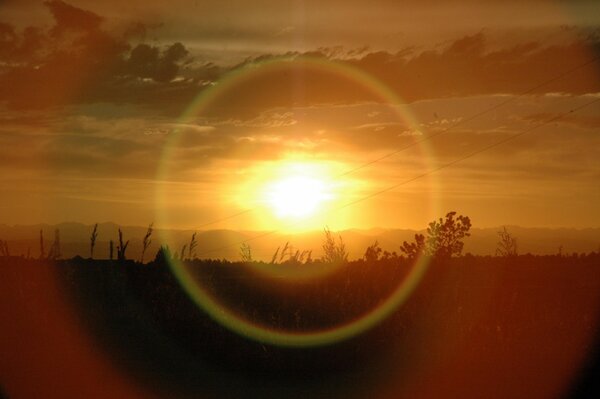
290,119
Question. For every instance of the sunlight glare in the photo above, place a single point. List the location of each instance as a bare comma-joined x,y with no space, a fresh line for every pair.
297,197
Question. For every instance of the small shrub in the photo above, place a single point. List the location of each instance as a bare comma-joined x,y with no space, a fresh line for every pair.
373,252
334,252
444,238
246,253
507,246
415,249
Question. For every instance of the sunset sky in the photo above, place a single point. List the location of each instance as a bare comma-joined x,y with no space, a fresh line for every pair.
270,114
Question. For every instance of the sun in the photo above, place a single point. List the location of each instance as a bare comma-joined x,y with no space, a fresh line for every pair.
293,194
297,197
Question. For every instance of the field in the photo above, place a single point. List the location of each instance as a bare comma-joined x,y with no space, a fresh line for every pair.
489,327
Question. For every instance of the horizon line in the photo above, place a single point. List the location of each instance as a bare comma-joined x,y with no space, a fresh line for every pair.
155,227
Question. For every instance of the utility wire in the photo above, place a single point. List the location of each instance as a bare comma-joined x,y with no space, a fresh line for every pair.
432,171
433,135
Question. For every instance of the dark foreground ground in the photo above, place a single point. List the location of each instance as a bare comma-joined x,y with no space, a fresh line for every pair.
475,327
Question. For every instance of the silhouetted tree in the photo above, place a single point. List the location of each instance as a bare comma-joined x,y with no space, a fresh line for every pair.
373,252
389,255
415,249
507,246
444,238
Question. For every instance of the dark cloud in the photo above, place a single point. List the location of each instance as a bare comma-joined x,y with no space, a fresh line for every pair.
69,18
147,62
76,60
15,48
466,67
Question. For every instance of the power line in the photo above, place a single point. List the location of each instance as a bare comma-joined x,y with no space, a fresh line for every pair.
472,117
228,217
470,155
432,171
433,135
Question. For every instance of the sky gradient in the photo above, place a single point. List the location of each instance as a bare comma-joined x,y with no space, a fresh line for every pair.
185,113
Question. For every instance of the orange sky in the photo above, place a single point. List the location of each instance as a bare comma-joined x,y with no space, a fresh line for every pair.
185,113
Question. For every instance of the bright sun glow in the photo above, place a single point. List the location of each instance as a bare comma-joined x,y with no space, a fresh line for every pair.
294,194
297,197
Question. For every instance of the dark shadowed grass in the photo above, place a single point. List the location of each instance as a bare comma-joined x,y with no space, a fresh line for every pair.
475,327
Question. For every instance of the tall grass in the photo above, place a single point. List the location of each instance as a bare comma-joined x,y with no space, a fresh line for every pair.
146,241
93,238
122,247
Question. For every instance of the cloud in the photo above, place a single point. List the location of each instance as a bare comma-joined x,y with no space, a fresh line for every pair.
148,62
466,67
411,132
378,126
77,61
285,31
581,121
196,128
69,18
271,119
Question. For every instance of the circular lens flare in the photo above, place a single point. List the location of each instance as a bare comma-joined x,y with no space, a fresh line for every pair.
295,196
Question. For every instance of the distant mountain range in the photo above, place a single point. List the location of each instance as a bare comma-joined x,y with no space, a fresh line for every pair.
75,240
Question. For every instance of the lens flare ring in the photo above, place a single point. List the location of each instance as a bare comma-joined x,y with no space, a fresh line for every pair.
211,305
